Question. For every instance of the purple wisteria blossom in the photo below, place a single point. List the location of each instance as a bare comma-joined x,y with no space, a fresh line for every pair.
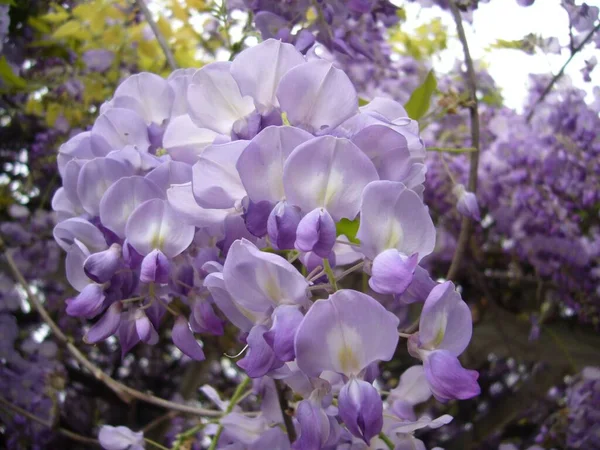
215,197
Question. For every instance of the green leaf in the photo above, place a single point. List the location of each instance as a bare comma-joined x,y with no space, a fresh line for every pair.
349,228
8,2
9,77
418,103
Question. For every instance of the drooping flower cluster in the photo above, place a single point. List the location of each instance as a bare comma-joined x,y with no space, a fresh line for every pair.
214,190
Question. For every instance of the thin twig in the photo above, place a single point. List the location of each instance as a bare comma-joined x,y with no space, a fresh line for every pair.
561,72
70,434
283,404
350,270
124,392
235,398
467,224
157,33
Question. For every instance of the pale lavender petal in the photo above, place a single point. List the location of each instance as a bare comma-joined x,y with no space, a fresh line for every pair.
361,409
122,198
128,336
259,69
260,166
106,326
316,233
213,85
216,182
95,177
422,422
85,232
179,80
147,94
76,256
181,198
170,173
184,339
272,281
240,318
120,127
387,149
120,438
392,272
184,141
345,334
412,387
328,172
70,177
392,216
448,379
446,322
316,96
155,225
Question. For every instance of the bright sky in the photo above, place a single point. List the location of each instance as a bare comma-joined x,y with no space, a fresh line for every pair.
507,20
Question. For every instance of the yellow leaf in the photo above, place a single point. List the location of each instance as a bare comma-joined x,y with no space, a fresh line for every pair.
55,17
164,26
68,29
179,12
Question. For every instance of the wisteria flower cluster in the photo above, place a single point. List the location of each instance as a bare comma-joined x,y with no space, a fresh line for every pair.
218,192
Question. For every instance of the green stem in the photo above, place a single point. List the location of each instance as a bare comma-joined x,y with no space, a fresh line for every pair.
237,395
387,441
330,275
155,444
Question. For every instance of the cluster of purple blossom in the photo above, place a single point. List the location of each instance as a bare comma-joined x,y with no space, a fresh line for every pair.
224,187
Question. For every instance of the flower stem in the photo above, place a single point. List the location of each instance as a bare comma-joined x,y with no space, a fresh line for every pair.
387,440
330,275
237,395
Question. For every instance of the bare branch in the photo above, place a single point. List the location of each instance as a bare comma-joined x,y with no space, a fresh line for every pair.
159,36
467,224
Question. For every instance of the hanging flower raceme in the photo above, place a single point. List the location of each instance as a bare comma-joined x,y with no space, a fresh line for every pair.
216,196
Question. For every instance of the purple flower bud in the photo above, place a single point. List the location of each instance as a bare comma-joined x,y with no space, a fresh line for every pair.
316,233
106,326
100,267
130,255
361,409
315,426
144,328
260,358
448,379
204,320
280,337
467,203
282,225
155,268
256,217
392,272
304,40
88,303
184,339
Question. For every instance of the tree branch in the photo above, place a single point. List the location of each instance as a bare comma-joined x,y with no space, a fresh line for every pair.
283,404
561,72
124,392
71,435
467,224
159,36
